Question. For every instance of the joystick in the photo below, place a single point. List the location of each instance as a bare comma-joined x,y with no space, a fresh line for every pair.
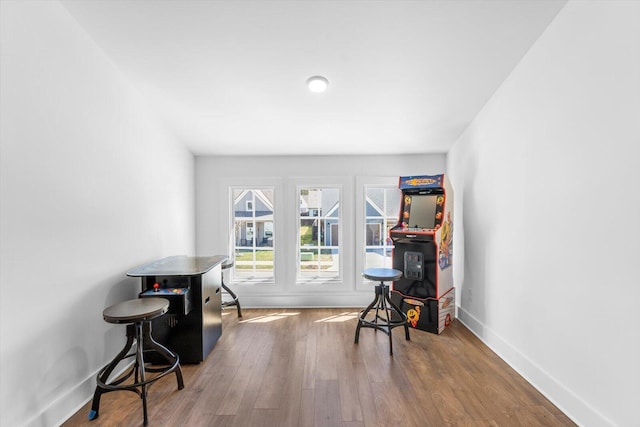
156,286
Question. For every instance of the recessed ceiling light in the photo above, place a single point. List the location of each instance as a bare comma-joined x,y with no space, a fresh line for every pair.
317,84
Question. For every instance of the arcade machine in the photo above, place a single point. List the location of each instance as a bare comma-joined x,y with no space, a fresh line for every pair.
423,252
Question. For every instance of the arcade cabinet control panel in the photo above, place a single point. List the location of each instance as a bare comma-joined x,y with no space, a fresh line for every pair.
413,262
179,298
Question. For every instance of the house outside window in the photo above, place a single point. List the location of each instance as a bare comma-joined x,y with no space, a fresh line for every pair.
318,233
253,233
382,205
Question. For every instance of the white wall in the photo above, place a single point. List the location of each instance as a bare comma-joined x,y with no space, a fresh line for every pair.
215,174
546,199
91,186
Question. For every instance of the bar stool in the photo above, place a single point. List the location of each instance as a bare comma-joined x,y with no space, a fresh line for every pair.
137,314
393,316
226,264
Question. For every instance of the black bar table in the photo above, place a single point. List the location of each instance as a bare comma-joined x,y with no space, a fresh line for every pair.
193,324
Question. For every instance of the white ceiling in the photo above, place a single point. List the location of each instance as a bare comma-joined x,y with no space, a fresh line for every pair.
228,77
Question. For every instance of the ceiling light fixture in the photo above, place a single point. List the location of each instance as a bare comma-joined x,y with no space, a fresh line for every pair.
317,84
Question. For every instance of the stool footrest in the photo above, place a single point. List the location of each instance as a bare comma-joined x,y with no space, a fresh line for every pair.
116,384
382,303
385,327
234,300
139,333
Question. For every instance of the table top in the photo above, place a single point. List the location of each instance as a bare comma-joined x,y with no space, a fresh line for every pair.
179,265
381,274
136,310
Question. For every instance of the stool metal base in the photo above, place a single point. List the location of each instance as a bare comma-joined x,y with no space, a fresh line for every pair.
140,332
228,263
382,303
234,300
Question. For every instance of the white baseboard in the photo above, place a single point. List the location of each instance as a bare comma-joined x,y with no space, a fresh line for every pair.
69,403
567,401
316,300
65,405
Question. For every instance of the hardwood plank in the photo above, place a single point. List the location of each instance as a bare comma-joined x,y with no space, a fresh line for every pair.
307,407
292,396
245,410
325,354
263,418
327,404
248,378
310,361
272,387
365,395
350,406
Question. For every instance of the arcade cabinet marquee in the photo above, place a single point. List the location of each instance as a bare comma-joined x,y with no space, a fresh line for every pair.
423,252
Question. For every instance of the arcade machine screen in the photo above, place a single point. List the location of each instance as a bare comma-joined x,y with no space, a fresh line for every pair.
423,211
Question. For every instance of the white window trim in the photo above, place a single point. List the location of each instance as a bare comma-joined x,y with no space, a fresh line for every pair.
352,238
227,186
362,184
343,282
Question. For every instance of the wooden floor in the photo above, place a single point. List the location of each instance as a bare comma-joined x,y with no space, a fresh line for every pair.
300,367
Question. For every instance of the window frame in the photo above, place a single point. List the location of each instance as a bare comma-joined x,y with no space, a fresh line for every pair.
342,282
362,184
315,214
226,230
251,229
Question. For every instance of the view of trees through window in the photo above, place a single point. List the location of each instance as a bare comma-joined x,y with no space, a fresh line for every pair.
319,232
253,233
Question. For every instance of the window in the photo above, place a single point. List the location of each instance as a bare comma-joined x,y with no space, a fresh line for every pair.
382,206
318,233
292,241
253,233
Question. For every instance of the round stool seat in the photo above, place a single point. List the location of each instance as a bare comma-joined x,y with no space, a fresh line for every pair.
136,310
381,274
